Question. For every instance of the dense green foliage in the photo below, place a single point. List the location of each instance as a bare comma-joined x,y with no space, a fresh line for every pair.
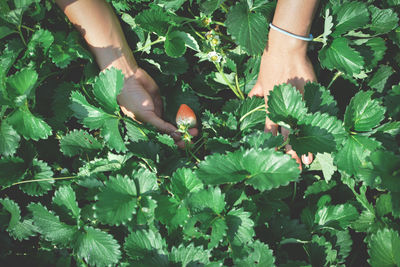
83,185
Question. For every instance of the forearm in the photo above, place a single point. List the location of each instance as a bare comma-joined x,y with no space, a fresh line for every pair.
101,29
295,17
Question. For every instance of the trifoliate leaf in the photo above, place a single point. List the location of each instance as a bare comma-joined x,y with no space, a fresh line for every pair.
211,200
252,114
65,197
263,169
363,113
175,44
258,254
50,226
261,139
318,98
77,142
28,125
97,247
339,216
15,213
240,227
382,20
142,244
154,20
111,134
350,16
117,200
92,117
352,156
107,87
38,170
285,104
319,187
183,182
249,29
11,170
189,255
383,248
9,139
339,55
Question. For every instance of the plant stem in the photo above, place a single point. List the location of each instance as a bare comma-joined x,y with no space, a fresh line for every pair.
159,40
233,88
40,180
20,35
259,108
27,28
224,8
219,23
237,86
337,75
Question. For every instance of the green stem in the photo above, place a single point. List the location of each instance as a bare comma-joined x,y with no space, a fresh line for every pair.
219,23
319,39
196,32
20,35
27,28
219,68
337,75
259,108
224,8
284,144
159,40
40,180
238,87
2,111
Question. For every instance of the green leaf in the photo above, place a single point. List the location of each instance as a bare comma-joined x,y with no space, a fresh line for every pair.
50,226
97,247
171,212
352,156
338,216
350,16
382,20
117,201
183,182
146,181
65,197
77,142
218,232
29,126
364,222
60,104
189,255
339,55
285,104
175,44
318,98
258,254
249,29
10,53
312,139
319,187
383,248
111,134
209,6
107,87
24,230
38,170
92,117
328,25
142,244
135,132
263,169
363,113
391,102
12,170
384,205
392,128
22,82
324,162
379,79
261,139
211,200
252,113
41,37
9,139
5,31
240,227
154,20
15,213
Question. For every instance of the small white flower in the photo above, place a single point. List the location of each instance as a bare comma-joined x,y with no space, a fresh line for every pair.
215,40
214,56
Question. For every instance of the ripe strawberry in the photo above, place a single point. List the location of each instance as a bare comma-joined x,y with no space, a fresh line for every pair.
185,117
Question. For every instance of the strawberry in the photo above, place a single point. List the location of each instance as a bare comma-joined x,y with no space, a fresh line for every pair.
185,117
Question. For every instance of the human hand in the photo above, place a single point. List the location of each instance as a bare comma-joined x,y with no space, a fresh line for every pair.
140,100
279,67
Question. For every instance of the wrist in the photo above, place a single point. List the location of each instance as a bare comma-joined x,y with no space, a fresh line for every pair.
279,43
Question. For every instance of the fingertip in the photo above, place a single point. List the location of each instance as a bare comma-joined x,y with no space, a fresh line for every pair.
193,131
307,159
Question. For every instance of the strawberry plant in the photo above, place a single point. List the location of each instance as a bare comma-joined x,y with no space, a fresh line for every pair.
83,185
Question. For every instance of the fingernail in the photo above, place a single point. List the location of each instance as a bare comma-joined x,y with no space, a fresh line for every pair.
306,159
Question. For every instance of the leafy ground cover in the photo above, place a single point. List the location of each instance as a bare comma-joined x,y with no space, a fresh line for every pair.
83,185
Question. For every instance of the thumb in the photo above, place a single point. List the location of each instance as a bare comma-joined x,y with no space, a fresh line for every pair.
162,125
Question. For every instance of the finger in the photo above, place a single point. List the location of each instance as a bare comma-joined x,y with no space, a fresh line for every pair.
270,127
161,125
307,159
293,154
193,131
256,91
